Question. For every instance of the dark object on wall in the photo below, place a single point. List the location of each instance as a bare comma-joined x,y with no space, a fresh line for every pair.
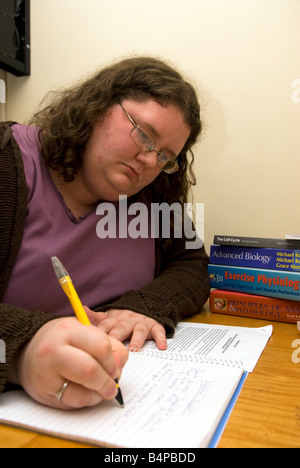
15,36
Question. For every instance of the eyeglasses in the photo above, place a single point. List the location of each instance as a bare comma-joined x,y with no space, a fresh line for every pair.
145,142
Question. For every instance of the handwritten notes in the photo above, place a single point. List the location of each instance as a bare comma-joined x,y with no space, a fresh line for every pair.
172,399
166,405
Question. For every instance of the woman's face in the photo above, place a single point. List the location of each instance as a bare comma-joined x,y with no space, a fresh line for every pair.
113,165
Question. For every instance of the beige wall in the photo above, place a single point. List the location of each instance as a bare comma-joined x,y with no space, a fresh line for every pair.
244,58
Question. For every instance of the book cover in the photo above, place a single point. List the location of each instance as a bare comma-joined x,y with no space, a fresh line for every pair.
293,236
266,243
271,283
249,257
251,306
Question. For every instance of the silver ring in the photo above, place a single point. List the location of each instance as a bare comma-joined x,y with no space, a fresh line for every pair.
59,394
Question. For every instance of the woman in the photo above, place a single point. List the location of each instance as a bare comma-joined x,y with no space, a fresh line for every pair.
126,132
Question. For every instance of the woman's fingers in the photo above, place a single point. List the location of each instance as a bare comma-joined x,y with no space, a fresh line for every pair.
64,350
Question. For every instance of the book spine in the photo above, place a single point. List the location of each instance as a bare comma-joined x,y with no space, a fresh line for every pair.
257,242
271,283
267,259
251,306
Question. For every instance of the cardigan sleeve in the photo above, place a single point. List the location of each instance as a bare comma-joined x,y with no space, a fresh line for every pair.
17,327
180,289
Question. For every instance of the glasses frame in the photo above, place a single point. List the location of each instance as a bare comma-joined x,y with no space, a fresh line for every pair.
162,159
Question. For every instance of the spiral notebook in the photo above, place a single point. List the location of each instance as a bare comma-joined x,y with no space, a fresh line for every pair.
172,399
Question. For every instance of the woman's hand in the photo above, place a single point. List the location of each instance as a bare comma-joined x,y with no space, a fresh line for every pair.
65,350
126,324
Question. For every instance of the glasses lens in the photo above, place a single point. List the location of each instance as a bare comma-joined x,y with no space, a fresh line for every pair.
142,139
166,164
145,142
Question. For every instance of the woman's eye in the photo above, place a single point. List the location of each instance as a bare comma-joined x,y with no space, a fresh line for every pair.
145,140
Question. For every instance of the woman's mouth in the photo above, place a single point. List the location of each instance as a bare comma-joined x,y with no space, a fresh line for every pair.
132,171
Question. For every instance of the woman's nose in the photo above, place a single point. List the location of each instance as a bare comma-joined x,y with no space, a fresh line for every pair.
148,158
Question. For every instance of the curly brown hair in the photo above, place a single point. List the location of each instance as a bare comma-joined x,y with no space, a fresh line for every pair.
67,122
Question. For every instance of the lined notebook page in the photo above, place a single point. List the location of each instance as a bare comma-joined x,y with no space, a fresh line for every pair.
167,404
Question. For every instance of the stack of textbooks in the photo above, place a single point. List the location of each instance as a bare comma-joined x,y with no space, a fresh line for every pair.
256,278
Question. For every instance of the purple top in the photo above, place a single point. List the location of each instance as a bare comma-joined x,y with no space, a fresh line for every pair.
101,269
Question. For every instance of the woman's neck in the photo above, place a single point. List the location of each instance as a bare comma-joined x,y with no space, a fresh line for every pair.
79,200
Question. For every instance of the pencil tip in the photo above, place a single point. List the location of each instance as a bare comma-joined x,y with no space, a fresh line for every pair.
119,397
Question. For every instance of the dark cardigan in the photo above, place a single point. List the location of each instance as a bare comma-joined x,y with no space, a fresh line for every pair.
180,287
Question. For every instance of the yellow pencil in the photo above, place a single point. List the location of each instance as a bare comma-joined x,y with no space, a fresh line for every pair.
68,287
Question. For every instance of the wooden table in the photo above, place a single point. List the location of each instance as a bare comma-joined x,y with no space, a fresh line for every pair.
267,413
